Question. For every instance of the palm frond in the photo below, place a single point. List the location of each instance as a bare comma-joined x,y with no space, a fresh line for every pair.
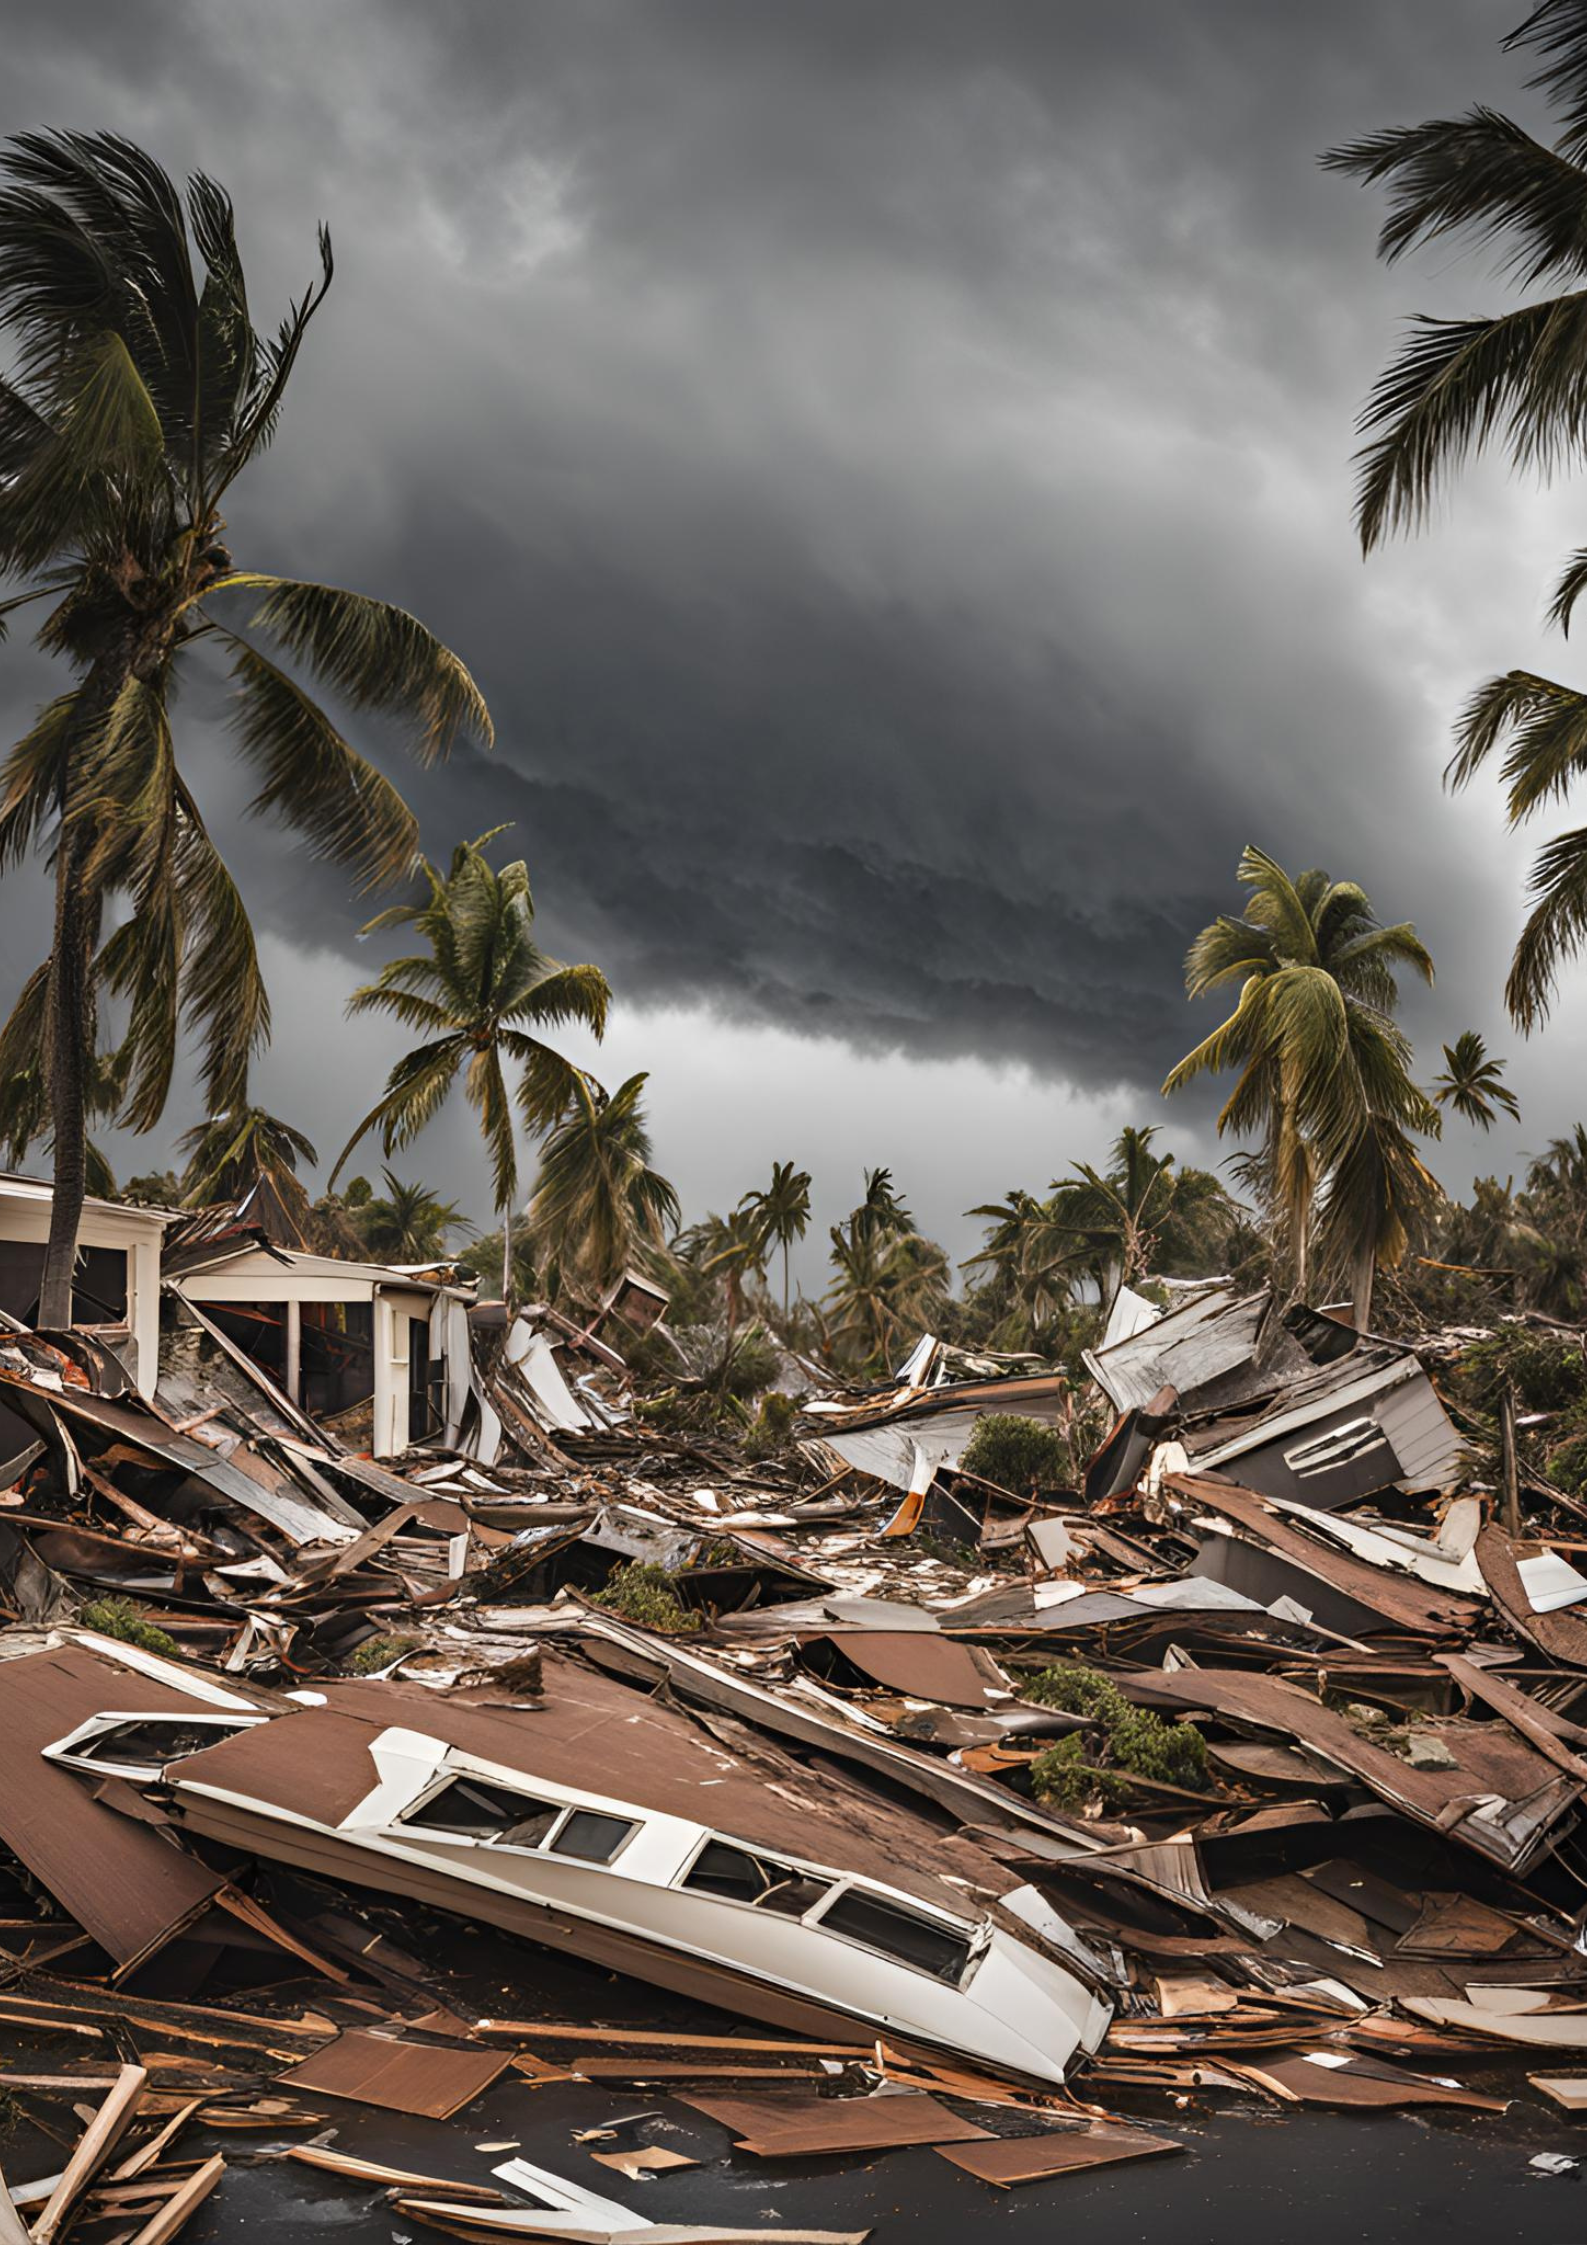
486,1090
1558,30
1555,929
1454,385
374,655
415,1090
1481,174
313,781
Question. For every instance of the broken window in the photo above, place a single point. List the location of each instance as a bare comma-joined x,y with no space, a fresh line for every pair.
901,1934
99,1283
473,1809
591,1837
738,1876
145,1744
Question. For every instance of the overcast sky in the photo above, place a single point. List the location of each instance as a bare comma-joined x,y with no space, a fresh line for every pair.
887,464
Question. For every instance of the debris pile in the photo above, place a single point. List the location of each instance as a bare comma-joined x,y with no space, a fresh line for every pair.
1006,1820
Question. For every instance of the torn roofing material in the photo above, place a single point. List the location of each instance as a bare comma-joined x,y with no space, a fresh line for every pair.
1316,1411
1398,1601
1561,1635
1496,1792
911,1430
124,1882
802,2127
94,1422
428,2079
919,1665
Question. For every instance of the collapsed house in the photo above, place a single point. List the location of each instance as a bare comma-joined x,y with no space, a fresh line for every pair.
1294,1403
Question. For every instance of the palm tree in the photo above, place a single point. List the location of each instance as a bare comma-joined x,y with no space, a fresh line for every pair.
475,994
1031,1266
140,390
883,1287
1473,1084
250,1155
781,1212
598,1203
1518,378
1114,1218
887,1280
1324,1067
881,1214
408,1225
730,1248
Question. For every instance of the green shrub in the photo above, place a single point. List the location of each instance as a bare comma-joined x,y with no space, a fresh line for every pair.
120,1618
1122,1743
647,1595
376,1653
1547,1372
751,1365
768,1430
1018,1454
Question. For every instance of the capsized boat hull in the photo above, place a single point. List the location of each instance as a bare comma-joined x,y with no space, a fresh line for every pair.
1021,2014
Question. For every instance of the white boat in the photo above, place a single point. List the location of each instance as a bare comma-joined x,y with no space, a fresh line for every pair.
868,1929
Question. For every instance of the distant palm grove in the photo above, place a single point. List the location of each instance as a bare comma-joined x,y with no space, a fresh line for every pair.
139,389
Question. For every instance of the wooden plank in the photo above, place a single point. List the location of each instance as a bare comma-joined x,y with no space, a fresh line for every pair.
174,2213
103,2134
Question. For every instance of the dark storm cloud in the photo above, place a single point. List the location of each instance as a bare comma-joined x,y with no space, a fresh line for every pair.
887,463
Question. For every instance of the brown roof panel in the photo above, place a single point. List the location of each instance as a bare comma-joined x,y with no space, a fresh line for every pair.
431,2080
126,1883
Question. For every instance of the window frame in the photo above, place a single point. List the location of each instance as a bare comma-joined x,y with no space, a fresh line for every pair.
545,1797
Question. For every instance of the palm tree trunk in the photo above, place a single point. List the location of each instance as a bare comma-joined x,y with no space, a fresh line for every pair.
785,1285
1363,1271
71,962
506,1254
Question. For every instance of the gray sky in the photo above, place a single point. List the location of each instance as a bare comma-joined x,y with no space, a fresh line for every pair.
887,463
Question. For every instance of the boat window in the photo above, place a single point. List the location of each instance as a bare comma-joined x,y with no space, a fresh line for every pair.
467,1805
878,1924
591,1837
741,1877
164,1739
149,1742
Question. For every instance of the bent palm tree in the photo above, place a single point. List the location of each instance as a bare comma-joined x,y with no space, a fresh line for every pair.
597,1200
1518,379
140,390
475,994
1324,1068
780,1211
249,1155
1473,1084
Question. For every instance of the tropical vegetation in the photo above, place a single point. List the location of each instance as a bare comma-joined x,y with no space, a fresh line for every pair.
140,390
1323,1080
477,995
1516,379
